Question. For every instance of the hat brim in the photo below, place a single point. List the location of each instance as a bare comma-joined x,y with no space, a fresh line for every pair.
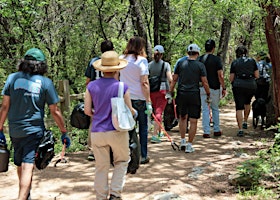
98,66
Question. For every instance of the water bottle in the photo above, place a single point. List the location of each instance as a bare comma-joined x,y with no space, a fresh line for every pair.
4,158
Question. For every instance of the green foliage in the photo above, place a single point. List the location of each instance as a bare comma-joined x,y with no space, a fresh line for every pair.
265,167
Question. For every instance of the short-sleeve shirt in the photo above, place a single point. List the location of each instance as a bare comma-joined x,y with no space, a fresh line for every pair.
189,75
131,75
28,96
243,69
101,91
212,64
155,70
92,73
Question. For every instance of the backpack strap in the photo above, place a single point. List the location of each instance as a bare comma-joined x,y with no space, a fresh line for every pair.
120,90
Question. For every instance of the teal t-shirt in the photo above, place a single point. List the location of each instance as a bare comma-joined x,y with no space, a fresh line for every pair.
28,96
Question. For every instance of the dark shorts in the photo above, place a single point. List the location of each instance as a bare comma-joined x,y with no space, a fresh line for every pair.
189,103
25,148
242,96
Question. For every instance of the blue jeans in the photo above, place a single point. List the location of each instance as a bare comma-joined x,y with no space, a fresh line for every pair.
142,120
214,105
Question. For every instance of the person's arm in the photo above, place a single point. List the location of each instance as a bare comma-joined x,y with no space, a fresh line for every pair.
88,104
256,73
4,110
127,101
58,118
231,77
173,82
145,87
87,81
205,85
222,82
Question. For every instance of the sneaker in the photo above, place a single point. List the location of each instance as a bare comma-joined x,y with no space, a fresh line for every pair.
145,160
244,125
219,133
189,148
90,157
183,145
160,134
155,139
240,134
205,135
113,197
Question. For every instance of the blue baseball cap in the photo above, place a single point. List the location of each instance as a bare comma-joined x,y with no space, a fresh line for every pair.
34,54
159,48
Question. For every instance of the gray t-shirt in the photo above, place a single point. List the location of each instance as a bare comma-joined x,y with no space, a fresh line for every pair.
190,73
155,69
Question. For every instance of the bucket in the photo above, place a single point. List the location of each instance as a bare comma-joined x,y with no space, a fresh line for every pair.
4,158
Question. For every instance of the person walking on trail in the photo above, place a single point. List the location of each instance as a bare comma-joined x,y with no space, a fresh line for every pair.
263,83
215,77
24,97
92,74
189,73
103,134
159,98
135,75
243,72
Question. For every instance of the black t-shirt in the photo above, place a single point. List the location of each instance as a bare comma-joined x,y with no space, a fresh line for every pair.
92,73
212,64
189,73
244,69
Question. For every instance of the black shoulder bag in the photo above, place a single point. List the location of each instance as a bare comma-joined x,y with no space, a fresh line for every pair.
155,81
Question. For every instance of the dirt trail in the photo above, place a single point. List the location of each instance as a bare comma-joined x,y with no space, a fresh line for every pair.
202,175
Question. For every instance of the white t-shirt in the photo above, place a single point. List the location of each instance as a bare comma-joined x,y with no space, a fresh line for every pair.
131,75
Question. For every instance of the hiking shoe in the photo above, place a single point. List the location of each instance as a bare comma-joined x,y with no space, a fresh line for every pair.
155,139
145,160
183,145
189,148
90,157
244,125
240,134
219,133
113,197
160,134
206,135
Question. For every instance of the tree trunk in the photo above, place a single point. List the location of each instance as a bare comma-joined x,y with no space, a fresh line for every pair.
162,26
272,33
139,25
224,40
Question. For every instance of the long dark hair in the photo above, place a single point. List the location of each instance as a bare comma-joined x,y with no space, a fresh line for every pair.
136,46
33,67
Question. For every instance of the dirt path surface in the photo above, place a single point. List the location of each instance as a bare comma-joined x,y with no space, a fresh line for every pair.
202,175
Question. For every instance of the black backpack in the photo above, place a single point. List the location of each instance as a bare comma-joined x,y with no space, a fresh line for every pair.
45,150
78,118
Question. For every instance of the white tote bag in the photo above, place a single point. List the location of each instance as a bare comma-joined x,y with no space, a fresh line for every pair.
122,118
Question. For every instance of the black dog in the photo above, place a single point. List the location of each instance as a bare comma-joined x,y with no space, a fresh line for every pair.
259,110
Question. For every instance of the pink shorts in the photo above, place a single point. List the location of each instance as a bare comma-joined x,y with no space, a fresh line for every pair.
158,102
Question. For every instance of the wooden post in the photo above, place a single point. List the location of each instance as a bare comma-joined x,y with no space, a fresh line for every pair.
63,90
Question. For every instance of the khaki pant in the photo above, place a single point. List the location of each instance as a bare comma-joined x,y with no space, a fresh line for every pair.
101,143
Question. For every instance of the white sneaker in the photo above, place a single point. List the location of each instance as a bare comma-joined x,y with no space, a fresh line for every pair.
183,145
189,148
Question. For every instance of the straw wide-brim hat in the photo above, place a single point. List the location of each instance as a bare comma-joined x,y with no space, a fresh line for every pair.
110,62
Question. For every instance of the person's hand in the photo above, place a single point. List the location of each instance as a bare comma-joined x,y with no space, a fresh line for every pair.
208,100
224,92
65,139
168,96
135,114
149,108
2,138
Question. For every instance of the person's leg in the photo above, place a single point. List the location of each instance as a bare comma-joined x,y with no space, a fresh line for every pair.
101,151
25,172
90,152
215,96
246,112
192,130
155,97
120,147
140,106
205,112
239,118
